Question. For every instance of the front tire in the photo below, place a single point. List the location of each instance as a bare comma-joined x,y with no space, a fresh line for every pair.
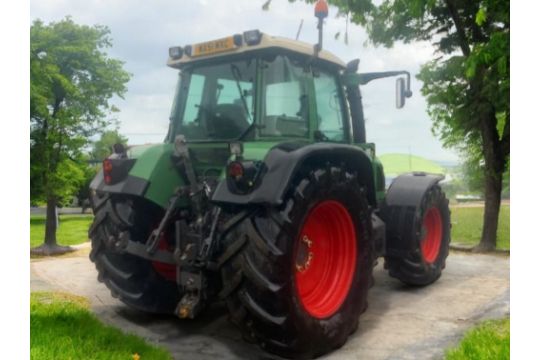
299,282
137,282
426,239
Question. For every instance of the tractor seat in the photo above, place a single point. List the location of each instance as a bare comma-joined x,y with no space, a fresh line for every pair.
228,121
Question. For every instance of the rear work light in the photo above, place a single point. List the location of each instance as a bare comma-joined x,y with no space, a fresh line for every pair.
252,37
237,39
176,52
236,148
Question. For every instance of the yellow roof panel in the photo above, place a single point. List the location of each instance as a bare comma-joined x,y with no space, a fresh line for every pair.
267,41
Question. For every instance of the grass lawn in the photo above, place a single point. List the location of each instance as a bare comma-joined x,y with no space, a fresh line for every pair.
467,226
488,341
61,327
72,230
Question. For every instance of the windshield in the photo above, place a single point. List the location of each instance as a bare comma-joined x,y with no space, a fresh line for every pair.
218,101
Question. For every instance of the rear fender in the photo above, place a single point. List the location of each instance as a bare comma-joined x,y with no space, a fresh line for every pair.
153,177
284,161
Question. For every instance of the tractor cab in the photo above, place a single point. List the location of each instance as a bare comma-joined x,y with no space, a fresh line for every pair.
256,87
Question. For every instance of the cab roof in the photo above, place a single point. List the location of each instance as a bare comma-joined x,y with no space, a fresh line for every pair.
266,42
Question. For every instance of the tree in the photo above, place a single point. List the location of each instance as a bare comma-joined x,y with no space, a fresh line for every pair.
473,171
71,81
103,147
83,192
467,86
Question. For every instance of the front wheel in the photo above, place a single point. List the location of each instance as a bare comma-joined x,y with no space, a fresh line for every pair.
299,282
425,240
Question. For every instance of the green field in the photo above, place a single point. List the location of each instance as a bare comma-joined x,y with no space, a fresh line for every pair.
72,230
62,327
395,164
467,226
488,341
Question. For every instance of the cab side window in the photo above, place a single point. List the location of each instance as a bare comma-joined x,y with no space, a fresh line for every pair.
282,99
285,105
194,98
330,117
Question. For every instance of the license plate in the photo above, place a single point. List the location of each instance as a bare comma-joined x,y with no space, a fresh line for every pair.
214,47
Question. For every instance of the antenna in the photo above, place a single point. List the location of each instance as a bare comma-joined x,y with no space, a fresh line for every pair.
299,29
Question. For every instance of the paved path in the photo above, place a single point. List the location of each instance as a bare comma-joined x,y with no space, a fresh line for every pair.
62,211
400,323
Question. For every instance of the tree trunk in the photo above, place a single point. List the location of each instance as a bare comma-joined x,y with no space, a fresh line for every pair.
494,169
493,183
51,222
49,246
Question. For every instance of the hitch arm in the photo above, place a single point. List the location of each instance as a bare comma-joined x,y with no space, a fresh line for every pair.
153,240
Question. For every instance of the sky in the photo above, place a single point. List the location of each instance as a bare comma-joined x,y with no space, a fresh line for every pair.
142,33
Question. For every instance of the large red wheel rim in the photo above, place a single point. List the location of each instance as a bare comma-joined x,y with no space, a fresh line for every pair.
325,259
431,235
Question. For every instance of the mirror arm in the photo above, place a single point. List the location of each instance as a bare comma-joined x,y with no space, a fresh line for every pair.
367,77
364,78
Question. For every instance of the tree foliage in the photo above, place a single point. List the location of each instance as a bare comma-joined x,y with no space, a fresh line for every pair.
71,82
103,147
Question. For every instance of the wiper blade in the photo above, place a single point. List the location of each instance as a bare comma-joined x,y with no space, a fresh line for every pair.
236,73
247,131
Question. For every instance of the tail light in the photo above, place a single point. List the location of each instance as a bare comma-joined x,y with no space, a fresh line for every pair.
236,170
116,170
242,176
107,171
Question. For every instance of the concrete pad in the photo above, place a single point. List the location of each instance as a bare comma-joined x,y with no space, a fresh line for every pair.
401,322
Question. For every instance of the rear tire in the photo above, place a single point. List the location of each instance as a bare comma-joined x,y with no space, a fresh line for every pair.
427,237
264,285
135,281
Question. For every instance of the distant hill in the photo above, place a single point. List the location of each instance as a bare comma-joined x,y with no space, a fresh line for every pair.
395,164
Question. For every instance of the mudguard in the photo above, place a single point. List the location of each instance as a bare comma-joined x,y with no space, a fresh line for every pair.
131,185
409,189
400,208
284,161
152,176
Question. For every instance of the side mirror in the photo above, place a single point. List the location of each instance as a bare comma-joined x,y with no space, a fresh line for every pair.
400,92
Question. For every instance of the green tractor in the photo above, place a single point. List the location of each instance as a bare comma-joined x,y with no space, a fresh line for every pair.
265,195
